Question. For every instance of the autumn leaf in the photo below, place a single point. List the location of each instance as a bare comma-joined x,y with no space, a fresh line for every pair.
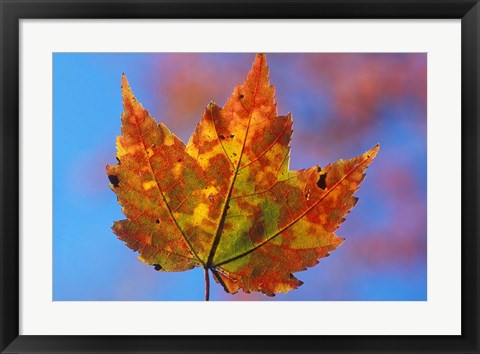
227,201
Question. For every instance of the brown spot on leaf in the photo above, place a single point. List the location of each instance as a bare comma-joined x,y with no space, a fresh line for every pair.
113,180
321,183
157,267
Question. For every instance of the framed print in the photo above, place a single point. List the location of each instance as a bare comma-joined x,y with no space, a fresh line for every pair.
311,170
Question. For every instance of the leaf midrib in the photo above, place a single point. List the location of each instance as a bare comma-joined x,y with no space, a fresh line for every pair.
218,234
163,195
294,221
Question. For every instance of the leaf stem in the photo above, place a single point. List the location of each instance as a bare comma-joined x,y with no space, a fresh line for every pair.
207,284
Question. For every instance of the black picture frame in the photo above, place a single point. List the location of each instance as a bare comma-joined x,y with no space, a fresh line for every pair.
14,10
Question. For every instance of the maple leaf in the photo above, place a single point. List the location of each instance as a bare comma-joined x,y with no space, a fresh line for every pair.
227,201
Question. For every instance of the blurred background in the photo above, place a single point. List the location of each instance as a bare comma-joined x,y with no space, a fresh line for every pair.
342,105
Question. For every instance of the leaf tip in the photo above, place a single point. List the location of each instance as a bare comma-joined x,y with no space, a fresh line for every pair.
124,80
261,60
373,151
211,105
127,93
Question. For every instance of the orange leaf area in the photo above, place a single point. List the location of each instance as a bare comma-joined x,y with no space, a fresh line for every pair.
227,201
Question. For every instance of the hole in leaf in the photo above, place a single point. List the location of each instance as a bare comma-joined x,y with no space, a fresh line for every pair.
211,198
113,180
321,183
307,196
157,266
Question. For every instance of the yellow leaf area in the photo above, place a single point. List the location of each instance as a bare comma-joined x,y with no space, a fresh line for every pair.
227,201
